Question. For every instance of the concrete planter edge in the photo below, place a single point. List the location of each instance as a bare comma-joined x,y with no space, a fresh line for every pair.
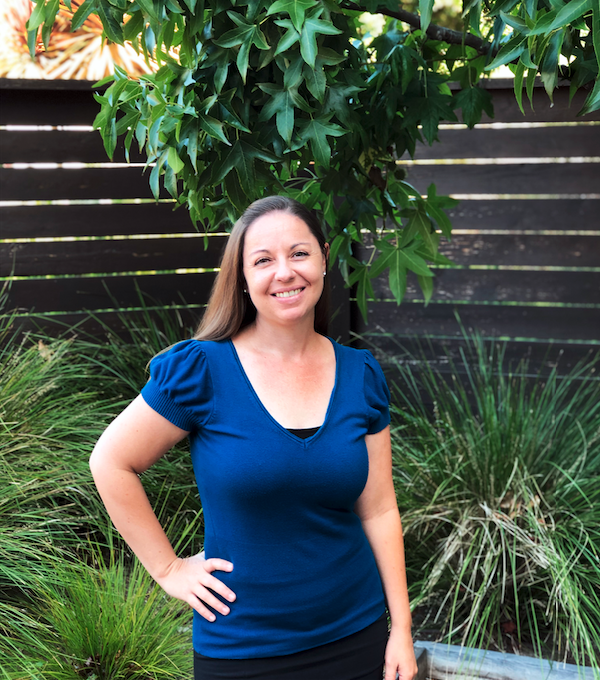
451,662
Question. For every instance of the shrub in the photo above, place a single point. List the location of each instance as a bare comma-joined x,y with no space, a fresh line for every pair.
499,490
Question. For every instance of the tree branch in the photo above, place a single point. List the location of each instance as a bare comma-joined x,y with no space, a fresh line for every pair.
434,32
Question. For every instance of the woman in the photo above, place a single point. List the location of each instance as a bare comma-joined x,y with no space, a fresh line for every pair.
290,444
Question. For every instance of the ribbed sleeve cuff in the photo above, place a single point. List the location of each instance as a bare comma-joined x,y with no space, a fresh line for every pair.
380,424
163,404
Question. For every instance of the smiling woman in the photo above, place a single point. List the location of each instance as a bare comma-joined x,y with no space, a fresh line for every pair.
290,444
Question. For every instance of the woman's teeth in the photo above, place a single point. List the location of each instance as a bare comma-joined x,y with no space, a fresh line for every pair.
288,293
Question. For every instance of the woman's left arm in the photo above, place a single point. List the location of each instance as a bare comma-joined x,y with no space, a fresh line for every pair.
378,510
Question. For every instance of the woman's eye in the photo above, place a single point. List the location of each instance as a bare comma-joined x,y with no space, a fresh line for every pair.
300,253
261,261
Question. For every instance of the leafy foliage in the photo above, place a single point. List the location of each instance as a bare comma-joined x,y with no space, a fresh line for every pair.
498,486
255,97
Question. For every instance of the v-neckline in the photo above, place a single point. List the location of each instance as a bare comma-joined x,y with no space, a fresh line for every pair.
266,411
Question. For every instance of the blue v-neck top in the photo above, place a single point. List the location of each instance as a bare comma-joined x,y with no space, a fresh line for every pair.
279,507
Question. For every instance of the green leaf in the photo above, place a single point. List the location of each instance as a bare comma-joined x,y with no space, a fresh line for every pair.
518,85
149,10
549,65
542,25
316,131
596,33
511,51
592,102
111,26
109,137
32,41
316,82
397,276
295,8
473,101
364,289
530,84
49,16
170,181
37,16
289,38
241,158
308,37
425,9
174,161
519,24
426,285
281,106
414,262
570,12
441,219
423,223
213,127
82,13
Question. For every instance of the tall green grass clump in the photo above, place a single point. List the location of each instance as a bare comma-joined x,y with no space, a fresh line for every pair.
56,397
106,621
499,490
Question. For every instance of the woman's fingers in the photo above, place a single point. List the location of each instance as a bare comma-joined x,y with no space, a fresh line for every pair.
191,580
216,564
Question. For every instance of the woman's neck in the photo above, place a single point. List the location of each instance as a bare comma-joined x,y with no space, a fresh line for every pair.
281,341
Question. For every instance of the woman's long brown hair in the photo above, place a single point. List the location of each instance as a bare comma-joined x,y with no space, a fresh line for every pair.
229,308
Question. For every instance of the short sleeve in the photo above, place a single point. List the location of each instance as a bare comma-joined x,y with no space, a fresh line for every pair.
180,387
377,395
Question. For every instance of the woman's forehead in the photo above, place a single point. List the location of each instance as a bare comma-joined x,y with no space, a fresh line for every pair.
275,229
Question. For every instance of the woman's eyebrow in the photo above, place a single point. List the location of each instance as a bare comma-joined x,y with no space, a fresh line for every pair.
266,250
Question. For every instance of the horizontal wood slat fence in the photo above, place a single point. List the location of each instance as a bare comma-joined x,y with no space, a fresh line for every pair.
80,234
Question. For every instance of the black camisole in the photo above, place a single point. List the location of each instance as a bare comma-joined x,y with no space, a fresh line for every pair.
304,433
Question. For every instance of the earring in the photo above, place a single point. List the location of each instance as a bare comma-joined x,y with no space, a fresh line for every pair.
324,273
245,291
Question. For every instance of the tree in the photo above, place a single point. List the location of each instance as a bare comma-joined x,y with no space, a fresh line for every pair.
254,97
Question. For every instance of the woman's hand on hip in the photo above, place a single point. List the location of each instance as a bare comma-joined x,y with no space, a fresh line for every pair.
190,579
400,661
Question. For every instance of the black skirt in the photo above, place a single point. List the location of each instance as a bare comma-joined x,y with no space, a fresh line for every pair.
356,657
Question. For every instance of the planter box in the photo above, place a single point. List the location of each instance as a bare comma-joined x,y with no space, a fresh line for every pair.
449,662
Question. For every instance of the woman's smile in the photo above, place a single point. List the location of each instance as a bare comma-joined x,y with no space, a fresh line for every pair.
288,293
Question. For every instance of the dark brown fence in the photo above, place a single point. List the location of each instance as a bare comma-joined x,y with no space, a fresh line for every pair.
79,234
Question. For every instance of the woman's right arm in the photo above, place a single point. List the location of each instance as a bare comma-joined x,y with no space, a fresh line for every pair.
131,444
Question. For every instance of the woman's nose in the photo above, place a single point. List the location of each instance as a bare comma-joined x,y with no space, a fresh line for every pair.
284,271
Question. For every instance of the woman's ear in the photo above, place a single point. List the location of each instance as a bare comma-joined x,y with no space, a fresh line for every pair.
326,253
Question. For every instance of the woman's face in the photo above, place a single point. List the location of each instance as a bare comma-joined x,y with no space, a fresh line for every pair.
283,266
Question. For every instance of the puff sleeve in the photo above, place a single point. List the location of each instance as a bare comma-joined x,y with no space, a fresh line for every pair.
377,395
180,386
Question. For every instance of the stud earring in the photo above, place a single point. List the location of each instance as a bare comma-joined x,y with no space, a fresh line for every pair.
324,273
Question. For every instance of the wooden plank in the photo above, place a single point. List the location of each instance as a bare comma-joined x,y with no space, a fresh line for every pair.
43,221
78,294
47,221
544,110
564,251
80,257
92,183
513,143
27,185
39,106
484,285
529,214
413,319
60,146
508,179
103,323
442,354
